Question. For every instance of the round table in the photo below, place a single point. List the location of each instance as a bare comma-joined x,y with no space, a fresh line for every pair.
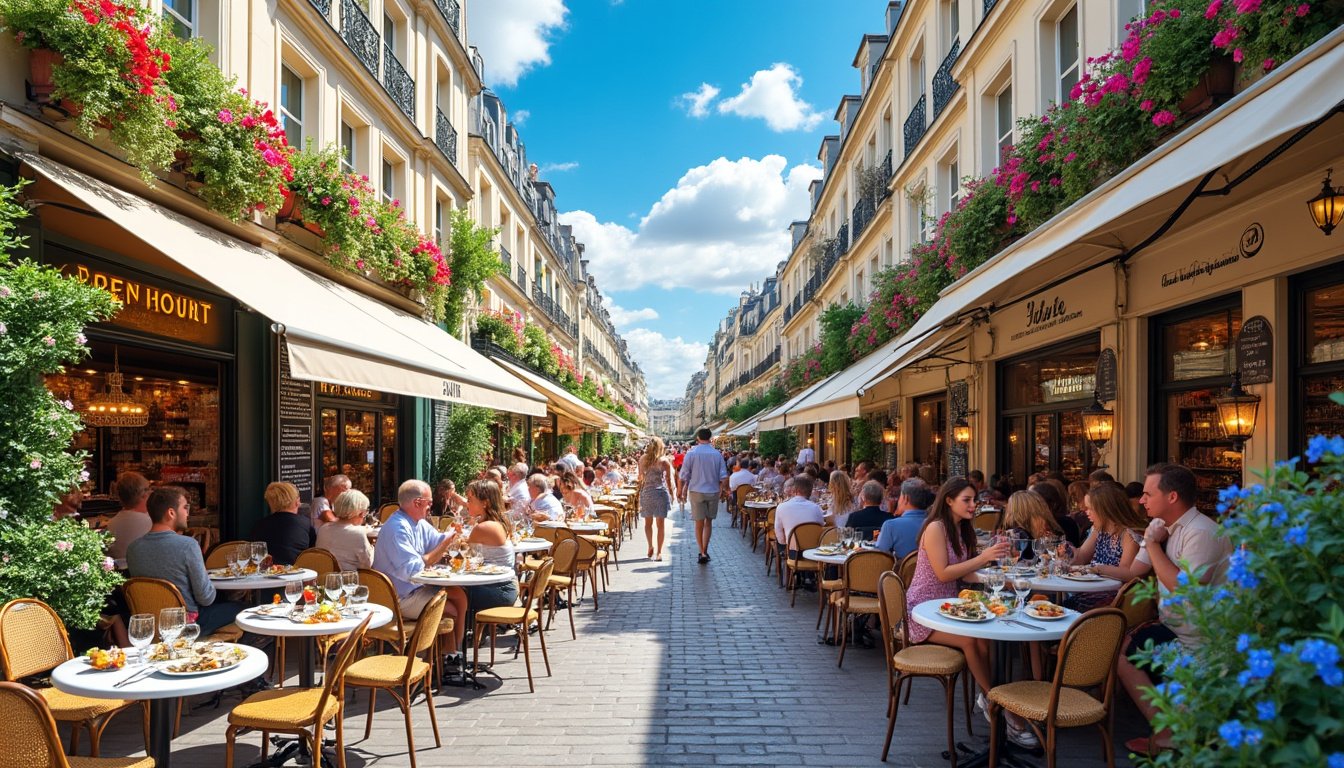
445,578
1061,584
532,545
230,583
754,504
598,507
838,558
593,527
77,677
261,622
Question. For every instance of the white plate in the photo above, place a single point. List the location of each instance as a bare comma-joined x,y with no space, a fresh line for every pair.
163,669
989,617
492,570
219,575
1030,611
1081,577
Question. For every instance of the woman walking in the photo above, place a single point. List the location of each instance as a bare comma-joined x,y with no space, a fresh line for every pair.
655,475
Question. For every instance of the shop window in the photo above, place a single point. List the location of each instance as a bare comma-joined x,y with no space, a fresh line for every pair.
1042,397
931,433
360,441
181,17
1195,355
1319,362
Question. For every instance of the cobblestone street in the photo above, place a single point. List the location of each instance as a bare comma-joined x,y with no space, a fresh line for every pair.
683,665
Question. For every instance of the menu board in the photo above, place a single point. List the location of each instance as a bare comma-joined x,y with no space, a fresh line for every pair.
295,416
1255,351
442,410
1107,375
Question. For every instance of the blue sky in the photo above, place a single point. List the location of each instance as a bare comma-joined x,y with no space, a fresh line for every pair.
680,138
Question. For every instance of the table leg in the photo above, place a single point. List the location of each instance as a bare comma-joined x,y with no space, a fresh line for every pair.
162,715
306,670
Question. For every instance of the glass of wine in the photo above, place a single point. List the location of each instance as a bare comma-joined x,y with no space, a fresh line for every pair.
141,632
334,586
476,557
171,621
293,591
238,559
1021,589
190,631
359,597
995,581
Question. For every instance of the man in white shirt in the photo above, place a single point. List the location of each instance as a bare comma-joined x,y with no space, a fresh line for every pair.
571,460
517,491
320,509
543,506
132,521
806,456
743,475
798,509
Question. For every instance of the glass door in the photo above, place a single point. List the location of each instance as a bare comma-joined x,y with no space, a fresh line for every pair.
931,433
361,444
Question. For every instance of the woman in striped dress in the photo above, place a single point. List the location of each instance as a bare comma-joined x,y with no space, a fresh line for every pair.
655,477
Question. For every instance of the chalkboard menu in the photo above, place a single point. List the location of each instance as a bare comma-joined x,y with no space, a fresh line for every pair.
295,412
442,410
1106,375
1255,351
958,397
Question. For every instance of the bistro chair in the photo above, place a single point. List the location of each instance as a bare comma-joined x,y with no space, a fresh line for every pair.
589,566
144,595
533,562
613,543
33,642
905,662
218,555
396,633
1138,611
830,535
803,536
1087,657
28,728
386,510
521,615
400,674
766,530
319,560
907,569
323,562
741,511
859,574
565,556
301,712
989,521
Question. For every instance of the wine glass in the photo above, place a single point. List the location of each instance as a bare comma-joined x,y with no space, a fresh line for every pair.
476,557
359,597
1020,545
293,591
995,581
141,632
1064,553
1021,589
258,553
1043,550
190,631
333,585
171,621
238,559
454,554
349,580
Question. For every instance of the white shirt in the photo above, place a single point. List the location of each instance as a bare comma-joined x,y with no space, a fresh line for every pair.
518,493
125,526
1194,539
740,477
806,456
548,505
794,512
571,462
320,504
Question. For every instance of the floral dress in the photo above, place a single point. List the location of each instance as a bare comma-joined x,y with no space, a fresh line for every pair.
925,586
1108,551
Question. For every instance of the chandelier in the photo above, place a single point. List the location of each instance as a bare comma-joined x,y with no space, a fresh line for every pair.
114,408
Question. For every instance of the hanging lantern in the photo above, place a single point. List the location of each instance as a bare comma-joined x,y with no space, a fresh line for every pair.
1098,422
1327,208
889,434
1236,413
961,431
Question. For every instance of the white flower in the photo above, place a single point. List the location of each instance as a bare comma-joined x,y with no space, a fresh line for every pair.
3,329
83,567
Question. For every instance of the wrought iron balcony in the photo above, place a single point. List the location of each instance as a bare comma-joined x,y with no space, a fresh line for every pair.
788,312
505,258
862,215
398,83
551,309
323,7
886,175
445,136
944,87
452,13
989,5
360,34
521,277
916,124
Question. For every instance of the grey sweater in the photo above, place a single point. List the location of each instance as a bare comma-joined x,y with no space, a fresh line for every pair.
176,558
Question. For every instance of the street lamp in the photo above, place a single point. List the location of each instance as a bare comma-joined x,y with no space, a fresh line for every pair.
1236,413
1327,208
889,434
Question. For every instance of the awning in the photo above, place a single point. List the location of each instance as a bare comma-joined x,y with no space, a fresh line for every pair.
1302,91
746,428
560,400
334,334
775,419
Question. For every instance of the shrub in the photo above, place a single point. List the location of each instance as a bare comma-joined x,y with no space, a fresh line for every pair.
466,444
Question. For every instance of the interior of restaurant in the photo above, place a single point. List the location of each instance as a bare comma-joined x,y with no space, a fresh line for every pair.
1322,355
1043,397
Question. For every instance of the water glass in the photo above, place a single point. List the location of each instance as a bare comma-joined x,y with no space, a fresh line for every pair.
995,581
141,632
349,580
171,621
1021,589
293,591
190,631
359,597
258,553
477,556
334,585
238,558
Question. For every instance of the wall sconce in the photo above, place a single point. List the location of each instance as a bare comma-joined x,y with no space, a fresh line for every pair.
1236,413
961,431
1327,208
1098,422
889,435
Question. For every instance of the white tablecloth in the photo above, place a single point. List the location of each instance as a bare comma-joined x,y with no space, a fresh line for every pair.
926,613
262,582
77,677
442,579
280,626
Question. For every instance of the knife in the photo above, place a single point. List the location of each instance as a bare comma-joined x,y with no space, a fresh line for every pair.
135,676
1017,623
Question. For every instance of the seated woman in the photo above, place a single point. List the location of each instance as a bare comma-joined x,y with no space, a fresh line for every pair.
1028,517
345,537
1055,496
493,533
843,500
447,501
1109,548
947,552
575,494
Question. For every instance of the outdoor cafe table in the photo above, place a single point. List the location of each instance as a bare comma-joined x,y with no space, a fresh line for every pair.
1059,583
253,581
1002,633
77,677
750,509
527,546
599,507
590,527
443,577
261,621
836,558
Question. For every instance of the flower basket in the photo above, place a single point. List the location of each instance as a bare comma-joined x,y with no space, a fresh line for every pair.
41,84
291,212
1215,87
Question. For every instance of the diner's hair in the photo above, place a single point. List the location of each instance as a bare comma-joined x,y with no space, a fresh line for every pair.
1028,511
872,493
960,533
491,497
332,482
280,496
162,499
410,491
1100,476
653,452
1174,478
842,492
131,488
352,503
540,482
802,484
1110,504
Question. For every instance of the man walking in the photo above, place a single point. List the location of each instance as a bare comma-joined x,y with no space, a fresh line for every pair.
706,479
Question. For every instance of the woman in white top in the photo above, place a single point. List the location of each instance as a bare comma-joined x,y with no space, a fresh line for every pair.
344,537
493,533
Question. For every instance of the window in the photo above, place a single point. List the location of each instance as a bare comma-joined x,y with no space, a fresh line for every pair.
347,147
1066,54
389,181
951,182
390,33
180,16
951,24
438,221
291,104
1003,121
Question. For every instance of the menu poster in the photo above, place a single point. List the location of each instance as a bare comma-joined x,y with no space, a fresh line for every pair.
1107,375
295,416
442,411
1255,351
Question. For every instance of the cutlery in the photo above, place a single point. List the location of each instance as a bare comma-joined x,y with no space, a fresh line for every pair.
1017,623
134,676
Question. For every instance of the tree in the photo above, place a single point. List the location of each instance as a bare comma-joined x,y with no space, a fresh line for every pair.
864,442
473,262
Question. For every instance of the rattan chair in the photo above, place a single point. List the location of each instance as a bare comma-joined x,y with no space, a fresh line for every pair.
33,642
907,569
859,574
905,662
400,674
989,521
742,512
803,536
830,535
150,596
1087,657
319,560
386,510
613,543
28,731
523,616
565,555
764,530
396,633
589,566
218,555
1138,611
302,712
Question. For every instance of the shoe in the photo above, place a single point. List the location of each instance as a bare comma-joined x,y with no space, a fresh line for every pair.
983,705
703,559
452,662
706,558
561,604
1023,737
658,557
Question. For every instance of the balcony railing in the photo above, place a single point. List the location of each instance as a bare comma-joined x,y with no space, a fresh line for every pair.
398,83
915,124
552,310
360,34
989,5
521,277
452,13
886,175
944,87
445,136
323,7
862,216
506,259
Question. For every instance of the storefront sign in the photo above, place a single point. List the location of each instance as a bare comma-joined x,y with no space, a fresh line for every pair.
1043,313
294,406
1255,351
1107,375
1067,388
1080,304
1248,245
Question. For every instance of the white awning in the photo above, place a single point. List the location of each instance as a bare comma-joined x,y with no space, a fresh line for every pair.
1302,91
775,419
334,334
562,401
746,428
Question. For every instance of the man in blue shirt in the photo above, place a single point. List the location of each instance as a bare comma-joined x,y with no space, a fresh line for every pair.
706,478
900,536
408,544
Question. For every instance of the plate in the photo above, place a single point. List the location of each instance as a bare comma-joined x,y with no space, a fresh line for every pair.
986,615
534,540
275,609
1081,577
168,668
492,570
1030,610
828,551
222,574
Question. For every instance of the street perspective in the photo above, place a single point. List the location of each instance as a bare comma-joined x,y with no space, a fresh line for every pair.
634,383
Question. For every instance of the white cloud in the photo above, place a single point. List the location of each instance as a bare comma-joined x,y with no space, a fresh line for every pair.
723,226
514,35
697,101
558,167
520,117
772,95
622,317
667,363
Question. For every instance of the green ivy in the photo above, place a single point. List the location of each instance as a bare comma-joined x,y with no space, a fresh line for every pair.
837,322
466,445
778,442
865,442
758,402
473,261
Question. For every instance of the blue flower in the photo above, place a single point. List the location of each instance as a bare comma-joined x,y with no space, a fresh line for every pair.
1222,593
1244,642
1252,735
1232,732
1183,579
1172,689
1266,710
1297,535
1325,657
1259,663
1335,760
1320,445
1276,509
1230,493
1239,570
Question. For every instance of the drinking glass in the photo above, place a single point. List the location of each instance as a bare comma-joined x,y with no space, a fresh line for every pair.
454,555
171,621
1043,554
349,580
994,580
141,632
359,597
293,591
190,631
258,553
1020,546
238,558
1021,589
334,585
477,556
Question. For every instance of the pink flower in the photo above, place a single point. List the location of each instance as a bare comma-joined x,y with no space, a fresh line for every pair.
353,203
83,567
225,116
64,546
359,264
1069,158
1248,6
108,565
1130,48
1146,105
35,464
1116,83
1035,186
1163,118
1237,55
81,338
1303,10
1174,13
49,341
1226,35
1142,69
1056,181
1268,64
5,293
326,200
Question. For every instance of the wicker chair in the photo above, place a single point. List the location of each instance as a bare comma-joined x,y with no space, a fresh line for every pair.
218,555
33,642
523,616
765,530
28,730
742,511
989,521
302,712
317,559
589,566
566,555
905,662
1137,611
1087,657
803,536
400,674
396,633
830,535
386,510
150,596
860,574
907,569
613,543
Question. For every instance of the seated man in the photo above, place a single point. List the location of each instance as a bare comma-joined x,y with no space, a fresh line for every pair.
320,511
132,521
285,531
164,553
612,475
900,536
517,489
743,475
796,510
870,518
544,506
407,544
